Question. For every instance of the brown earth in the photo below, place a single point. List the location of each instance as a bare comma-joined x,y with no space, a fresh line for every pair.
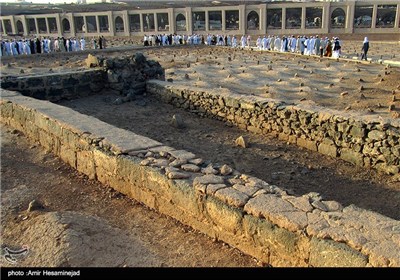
293,168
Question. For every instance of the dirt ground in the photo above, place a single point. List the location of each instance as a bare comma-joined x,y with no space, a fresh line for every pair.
28,173
83,223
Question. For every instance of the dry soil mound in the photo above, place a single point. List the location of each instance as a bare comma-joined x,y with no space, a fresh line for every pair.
73,239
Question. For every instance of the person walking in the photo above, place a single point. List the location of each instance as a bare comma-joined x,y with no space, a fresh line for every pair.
365,48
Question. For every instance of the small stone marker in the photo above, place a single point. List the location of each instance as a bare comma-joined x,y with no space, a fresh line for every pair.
226,170
34,205
241,142
177,121
91,61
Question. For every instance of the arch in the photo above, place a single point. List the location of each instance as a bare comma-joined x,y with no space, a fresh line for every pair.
253,21
20,27
119,24
66,27
338,18
180,22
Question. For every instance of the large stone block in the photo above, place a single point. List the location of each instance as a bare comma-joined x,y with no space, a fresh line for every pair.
183,195
85,163
376,135
151,178
352,156
308,144
284,248
357,132
329,150
232,197
69,139
106,166
46,140
226,217
232,102
68,155
278,211
6,109
126,166
19,114
328,253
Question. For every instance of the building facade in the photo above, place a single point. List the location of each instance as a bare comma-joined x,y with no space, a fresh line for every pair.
348,17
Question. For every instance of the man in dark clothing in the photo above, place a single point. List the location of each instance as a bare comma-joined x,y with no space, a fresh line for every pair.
100,42
365,48
32,46
38,46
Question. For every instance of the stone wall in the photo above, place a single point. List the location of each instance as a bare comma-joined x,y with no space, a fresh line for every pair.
361,140
260,219
127,75
57,86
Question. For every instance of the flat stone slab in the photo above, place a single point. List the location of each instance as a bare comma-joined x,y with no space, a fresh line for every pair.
278,211
302,203
212,188
120,140
190,167
182,154
248,190
232,197
208,179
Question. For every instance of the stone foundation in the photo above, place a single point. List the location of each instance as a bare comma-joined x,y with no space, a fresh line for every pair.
361,140
57,86
260,219
126,75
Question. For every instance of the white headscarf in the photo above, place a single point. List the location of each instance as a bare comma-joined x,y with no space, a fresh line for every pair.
365,39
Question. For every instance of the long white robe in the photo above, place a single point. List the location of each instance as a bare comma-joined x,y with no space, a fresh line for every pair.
243,41
277,44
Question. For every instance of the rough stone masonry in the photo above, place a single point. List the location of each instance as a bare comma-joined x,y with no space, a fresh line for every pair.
258,218
361,140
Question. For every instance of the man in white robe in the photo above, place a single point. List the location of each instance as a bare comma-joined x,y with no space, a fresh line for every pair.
258,43
312,46
83,44
293,44
243,41
277,44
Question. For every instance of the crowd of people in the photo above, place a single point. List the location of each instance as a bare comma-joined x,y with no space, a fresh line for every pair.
306,45
29,46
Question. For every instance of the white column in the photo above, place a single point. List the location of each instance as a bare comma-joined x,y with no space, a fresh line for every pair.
283,18
141,23
171,20
207,21
223,20
155,22
374,15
